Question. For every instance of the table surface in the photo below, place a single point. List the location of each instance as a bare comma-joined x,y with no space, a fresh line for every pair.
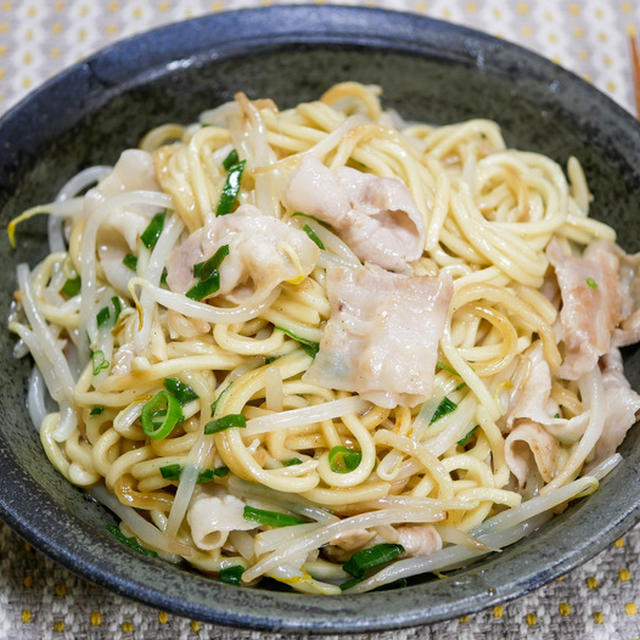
40,599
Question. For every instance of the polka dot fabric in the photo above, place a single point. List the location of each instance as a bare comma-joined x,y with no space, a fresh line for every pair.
39,599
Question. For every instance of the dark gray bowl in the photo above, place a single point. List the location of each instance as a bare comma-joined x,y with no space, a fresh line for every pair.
430,71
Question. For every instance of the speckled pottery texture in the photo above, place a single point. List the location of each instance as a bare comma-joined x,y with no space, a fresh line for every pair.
430,71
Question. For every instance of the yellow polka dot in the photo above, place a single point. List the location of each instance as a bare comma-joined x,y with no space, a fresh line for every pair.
602,36
471,7
216,5
611,86
137,12
464,619
27,58
188,13
57,28
574,9
583,54
560,579
26,616
522,8
31,12
61,590
564,609
624,575
497,13
587,78
556,60
498,610
26,82
578,32
82,34
163,617
59,5
164,6
28,582
548,15
111,29
592,583
4,27
113,6
446,14
421,7
58,626
7,6
127,627
626,7
84,10
95,618
526,31
619,543
553,37
599,13
532,619
195,626
631,29
598,617
630,608
3,73
28,34
607,61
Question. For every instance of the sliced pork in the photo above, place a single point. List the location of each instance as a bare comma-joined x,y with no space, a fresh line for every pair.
419,540
590,304
263,252
376,217
381,340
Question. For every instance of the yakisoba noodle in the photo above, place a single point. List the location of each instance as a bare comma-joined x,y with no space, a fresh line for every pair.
326,346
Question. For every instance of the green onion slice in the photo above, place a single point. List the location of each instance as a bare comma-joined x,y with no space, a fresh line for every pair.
310,347
160,415
204,288
230,189
291,462
131,262
343,460
151,234
221,472
231,575
183,392
312,234
365,559
307,215
226,422
446,406
214,404
131,542
174,471
96,411
103,316
98,361
231,159
592,283
445,367
466,439
206,269
72,287
272,518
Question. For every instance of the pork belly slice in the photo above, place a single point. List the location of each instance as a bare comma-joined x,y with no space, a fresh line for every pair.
263,252
376,217
590,304
381,340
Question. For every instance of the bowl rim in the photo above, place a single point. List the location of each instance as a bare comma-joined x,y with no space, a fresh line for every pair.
112,70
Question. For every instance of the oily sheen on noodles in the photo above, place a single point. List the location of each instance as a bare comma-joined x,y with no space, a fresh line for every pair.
326,346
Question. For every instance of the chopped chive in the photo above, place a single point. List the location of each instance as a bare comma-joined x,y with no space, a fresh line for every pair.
351,582
103,316
230,189
183,392
556,415
151,234
312,234
204,270
271,359
307,215
446,406
272,518
72,287
117,308
291,461
343,460
214,404
465,440
163,277
160,415
221,472
396,584
98,361
231,575
174,471
592,283
231,159
131,542
365,559
445,367
96,411
310,347
131,262
226,422
204,288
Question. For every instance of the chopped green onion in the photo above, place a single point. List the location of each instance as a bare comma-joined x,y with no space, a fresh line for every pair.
117,308
103,316
343,460
446,406
291,461
163,277
465,440
131,542
231,159
98,361
221,472
272,518
445,367
310,347
96,411
183,392
204,270
271,359
160,415
351,582
72,287
556,415
204,288
226,422
131,262
231,575
307,215
312,234
151,234
230,189
396,584
214,404
174,471
365,559
592,283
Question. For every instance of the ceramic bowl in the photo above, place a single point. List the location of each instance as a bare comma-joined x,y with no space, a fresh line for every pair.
430,71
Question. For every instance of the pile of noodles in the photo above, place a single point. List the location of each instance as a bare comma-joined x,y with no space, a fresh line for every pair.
451,474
